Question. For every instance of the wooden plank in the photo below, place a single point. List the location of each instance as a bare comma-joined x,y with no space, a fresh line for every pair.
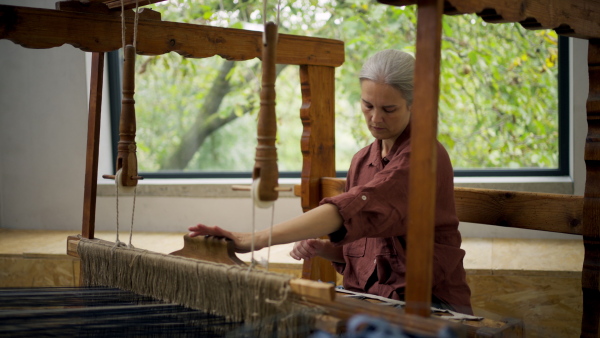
93,145
46,28
423,161
576,18
318,149
72,242
524,210
590,277
312,289
332,186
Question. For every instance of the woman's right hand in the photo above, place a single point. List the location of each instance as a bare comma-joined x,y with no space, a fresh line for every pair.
310,248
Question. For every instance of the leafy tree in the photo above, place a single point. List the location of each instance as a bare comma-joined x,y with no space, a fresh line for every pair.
498,106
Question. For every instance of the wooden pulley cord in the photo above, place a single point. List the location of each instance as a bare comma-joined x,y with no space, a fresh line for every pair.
126,173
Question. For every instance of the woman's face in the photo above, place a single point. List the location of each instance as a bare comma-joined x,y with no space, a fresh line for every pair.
386,111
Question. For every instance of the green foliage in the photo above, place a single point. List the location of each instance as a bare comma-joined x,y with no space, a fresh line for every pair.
498,100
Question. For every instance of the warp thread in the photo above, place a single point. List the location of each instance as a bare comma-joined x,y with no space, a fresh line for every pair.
119,186
225,290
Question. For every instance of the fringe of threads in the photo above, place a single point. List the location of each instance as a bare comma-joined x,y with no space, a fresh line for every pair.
263,300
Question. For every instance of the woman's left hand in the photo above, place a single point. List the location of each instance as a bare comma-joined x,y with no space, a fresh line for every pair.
242,241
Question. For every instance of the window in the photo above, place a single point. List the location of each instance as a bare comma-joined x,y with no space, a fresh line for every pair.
503,101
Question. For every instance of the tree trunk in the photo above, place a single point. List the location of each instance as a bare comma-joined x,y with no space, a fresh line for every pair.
203,125
206,123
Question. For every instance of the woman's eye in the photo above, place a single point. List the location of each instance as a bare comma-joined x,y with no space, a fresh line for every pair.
390,110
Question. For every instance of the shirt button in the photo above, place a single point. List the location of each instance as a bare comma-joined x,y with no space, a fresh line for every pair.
375,261
364,198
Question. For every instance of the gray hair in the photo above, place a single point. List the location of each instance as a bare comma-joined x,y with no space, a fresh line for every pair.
391,67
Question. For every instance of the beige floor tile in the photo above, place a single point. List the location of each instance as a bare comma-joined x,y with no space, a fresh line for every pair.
537,255
478,253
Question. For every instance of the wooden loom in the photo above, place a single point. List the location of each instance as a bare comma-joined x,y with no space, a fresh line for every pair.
317,59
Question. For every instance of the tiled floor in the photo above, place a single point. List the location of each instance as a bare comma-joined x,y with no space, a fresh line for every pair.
538,281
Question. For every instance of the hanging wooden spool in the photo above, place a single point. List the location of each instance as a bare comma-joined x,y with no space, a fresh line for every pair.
265,164
126,148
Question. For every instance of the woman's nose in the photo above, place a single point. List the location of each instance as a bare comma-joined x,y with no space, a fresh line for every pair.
376,116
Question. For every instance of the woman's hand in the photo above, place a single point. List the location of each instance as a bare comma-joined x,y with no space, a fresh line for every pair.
310,248
242,241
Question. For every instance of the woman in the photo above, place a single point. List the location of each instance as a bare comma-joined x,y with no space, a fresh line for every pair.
367,224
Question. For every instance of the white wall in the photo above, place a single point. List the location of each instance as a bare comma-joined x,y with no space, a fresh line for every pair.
42,134
43,128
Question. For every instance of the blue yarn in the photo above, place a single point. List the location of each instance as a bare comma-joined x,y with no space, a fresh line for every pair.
363,326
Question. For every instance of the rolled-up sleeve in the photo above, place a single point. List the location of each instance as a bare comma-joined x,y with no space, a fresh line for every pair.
376,209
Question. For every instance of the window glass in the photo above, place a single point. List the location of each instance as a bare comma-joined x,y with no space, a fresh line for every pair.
498,105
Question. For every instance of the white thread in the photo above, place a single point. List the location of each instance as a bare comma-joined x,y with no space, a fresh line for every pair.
119,182
264,13
256,198
278,11
270,235
119,185
123,27
117,200
135,24
132,215
252,261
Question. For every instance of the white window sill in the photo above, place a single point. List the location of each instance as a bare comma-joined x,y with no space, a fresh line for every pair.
212,188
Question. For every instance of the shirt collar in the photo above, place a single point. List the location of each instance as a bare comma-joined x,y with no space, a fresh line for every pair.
375,157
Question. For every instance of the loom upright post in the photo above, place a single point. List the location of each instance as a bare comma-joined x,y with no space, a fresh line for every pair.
93,143
423,163
590,276
318,150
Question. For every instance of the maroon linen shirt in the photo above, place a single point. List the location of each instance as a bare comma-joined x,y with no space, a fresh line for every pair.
373,237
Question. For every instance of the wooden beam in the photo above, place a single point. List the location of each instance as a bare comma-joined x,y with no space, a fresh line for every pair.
423,161
576,18
92,32
512,209
524,210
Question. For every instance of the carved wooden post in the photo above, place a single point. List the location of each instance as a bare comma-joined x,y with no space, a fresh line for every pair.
265,162
126,157
318,139
93,142
590,279
423,162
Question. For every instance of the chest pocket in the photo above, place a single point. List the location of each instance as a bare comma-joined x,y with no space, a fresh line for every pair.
384,246
356,248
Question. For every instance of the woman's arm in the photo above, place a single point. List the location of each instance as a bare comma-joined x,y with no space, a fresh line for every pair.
315,223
